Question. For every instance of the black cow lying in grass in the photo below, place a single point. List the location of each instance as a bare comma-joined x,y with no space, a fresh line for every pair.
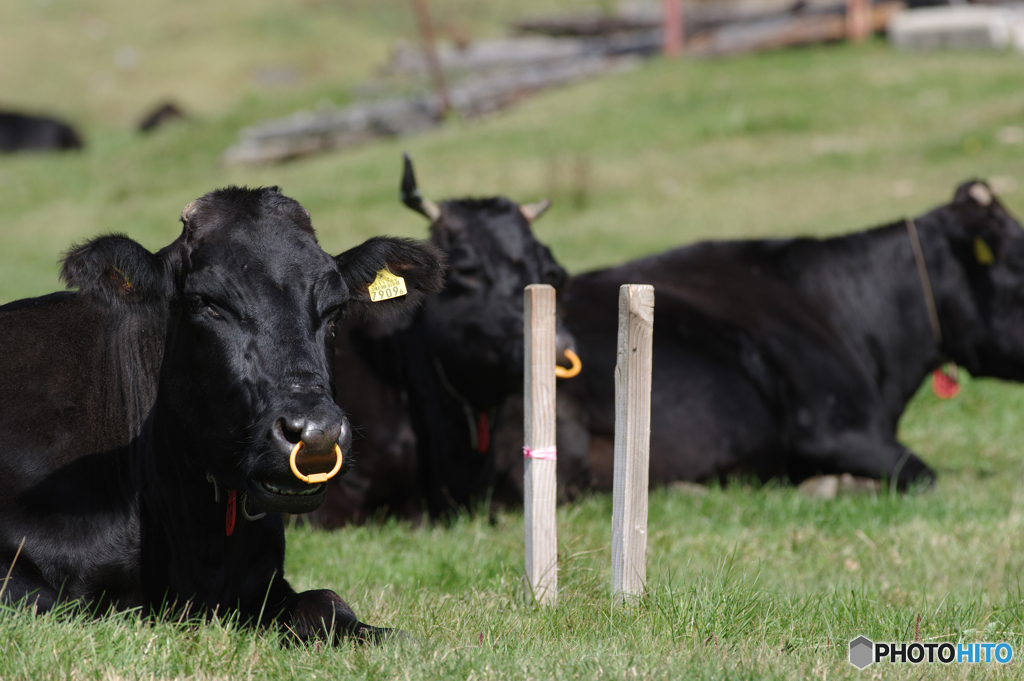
162,115
19,132
204,362
425,396
794,357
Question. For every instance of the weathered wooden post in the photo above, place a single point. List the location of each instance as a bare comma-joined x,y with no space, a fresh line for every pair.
672,28
632,439
858,20
539,493
430,52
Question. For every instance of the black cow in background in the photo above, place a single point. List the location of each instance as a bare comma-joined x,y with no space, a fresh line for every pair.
206,362
424,396
160,116
19,132
795,357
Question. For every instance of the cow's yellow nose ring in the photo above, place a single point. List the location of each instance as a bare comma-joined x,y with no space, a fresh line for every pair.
577,365
316,477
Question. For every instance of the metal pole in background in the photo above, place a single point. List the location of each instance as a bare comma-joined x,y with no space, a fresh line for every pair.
430,51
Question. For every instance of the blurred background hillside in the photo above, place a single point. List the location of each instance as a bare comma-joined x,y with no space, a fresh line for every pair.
816,140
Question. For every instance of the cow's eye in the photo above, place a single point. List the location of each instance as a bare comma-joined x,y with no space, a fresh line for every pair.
200,304
333,314
467,275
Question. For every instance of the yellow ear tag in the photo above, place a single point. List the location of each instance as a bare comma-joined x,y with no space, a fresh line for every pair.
982,252
387,286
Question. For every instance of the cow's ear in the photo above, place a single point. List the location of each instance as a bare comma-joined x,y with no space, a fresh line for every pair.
974,193
115,268
391,276
990,227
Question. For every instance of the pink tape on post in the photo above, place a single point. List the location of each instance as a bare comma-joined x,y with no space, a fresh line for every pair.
544,453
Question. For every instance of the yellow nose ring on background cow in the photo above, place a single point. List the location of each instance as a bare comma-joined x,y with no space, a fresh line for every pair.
316,477
574,370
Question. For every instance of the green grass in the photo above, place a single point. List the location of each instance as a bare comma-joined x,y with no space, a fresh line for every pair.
814,141
744,582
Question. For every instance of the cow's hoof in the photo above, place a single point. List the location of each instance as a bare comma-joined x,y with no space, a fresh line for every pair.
916,477
378,635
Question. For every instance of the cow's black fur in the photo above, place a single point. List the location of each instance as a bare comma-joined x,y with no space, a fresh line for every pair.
416,393
208,359
20,132
792,357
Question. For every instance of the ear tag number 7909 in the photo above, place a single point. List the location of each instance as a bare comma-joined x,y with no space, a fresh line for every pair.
387,286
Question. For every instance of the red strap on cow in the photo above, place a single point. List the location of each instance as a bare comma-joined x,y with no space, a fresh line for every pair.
483,433
229,519
944,382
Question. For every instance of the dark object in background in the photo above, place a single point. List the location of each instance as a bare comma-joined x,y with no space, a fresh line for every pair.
793,357
165,113
20,132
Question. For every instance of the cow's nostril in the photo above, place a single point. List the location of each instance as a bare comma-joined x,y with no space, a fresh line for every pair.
291,433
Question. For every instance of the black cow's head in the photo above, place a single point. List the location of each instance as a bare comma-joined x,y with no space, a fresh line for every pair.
251,300
985,316
476,322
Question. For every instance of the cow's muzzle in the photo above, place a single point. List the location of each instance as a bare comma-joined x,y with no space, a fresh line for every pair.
307,450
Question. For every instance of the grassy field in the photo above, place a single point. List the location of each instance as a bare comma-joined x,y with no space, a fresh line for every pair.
748,583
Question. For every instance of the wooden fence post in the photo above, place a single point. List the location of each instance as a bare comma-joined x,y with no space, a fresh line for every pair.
430,52
632,440
539,490
672,28
859,23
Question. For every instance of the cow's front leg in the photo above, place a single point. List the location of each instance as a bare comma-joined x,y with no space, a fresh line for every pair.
322,615
860,454
25,587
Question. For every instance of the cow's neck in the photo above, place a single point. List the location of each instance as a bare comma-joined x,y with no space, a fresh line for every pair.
187,554
479,420
132,348
870,289
453,448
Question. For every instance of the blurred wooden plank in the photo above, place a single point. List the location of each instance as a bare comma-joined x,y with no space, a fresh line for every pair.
586,24
308,132
791,30
964,27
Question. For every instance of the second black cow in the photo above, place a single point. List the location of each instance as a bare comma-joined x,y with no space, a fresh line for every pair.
425,396
795,357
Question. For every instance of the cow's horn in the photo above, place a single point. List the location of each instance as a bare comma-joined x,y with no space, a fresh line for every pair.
186,212
532,211
411,194
980,193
